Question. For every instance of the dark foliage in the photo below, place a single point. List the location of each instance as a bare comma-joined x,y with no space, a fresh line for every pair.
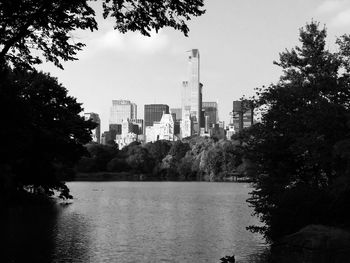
101,155
118,164
179,149
44,133
158,149
305,116
228,259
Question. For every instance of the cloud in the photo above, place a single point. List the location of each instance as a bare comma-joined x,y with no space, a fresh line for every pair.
342,19
110,40
150,44
337,11
113,40
330,6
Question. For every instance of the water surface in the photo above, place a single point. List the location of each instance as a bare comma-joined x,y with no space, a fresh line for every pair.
150,222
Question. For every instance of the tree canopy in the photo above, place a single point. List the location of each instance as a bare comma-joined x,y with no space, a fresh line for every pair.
43,134
31,30
305,115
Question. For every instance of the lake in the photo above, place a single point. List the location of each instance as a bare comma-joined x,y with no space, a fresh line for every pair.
140,222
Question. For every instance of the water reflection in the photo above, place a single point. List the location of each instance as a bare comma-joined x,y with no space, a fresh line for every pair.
38,234
138,222
70,237
27,234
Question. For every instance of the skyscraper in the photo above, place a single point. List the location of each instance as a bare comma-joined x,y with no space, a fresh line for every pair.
242,114
177,112
211,111
122,110
154,112
192,91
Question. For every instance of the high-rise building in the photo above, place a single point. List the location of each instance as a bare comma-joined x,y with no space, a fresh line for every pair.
210,110
122,110
134,111
154,112
137,126
192,91
186,126
96,133
127,127
177,112
242,115
115,128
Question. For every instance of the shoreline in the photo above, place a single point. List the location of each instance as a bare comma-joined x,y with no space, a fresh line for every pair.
131,177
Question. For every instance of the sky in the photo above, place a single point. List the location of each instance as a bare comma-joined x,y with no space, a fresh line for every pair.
238,41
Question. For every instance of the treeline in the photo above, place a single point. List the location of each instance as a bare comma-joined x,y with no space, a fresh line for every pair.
193,159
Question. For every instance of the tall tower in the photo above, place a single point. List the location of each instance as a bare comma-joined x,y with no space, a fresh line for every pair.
192,91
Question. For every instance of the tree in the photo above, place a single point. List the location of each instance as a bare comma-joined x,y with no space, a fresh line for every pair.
118,164
102,155
139,159
158,149
44,133
304,116
214,163
48,25
179,149
184,169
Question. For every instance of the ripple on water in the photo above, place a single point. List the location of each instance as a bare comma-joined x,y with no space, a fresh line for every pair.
153,222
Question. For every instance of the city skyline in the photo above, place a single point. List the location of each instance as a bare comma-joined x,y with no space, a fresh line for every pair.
238,41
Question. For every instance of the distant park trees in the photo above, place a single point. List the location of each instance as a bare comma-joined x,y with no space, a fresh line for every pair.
301,146
200,159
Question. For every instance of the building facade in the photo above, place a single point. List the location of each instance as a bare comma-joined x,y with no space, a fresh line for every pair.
125,139
127,127
230,131
186,126
137,126
242,115
177,112
162,130
152,133
122,110
167,127
192,91
154,113
211,112
96,133
116,128
129,133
